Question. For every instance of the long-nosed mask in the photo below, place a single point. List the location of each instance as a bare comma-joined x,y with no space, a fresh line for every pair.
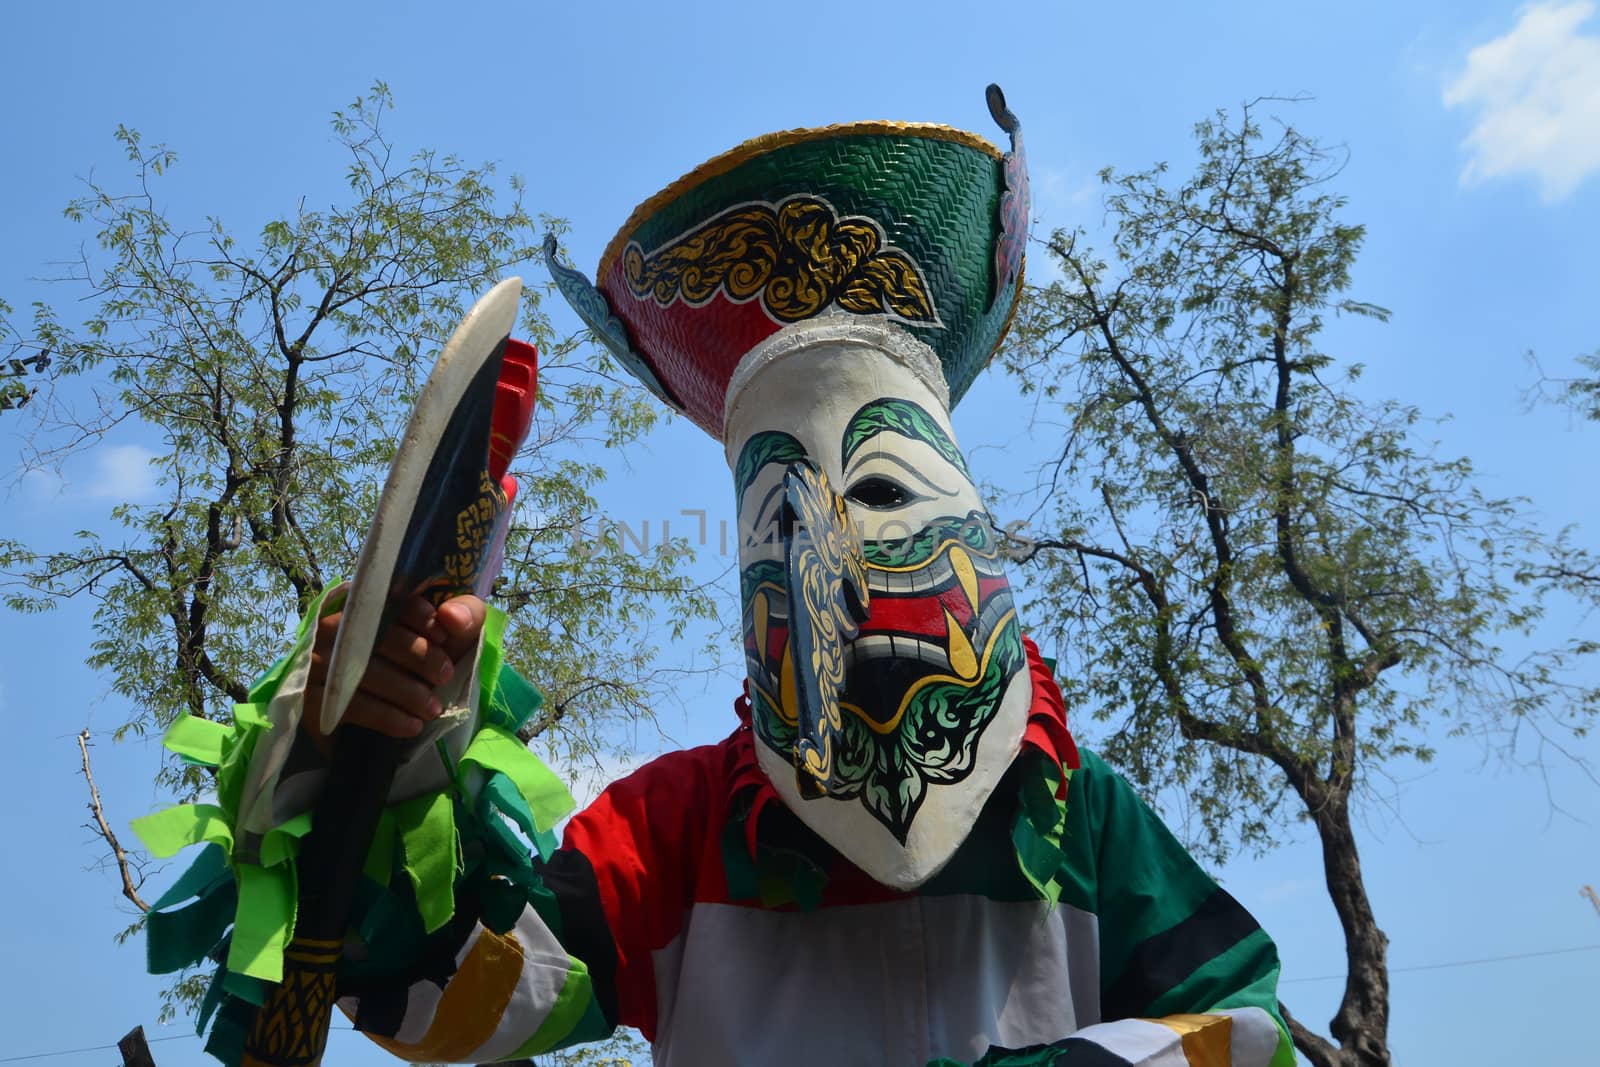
818,300
888,683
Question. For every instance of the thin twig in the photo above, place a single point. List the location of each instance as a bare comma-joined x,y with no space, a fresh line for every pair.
129,888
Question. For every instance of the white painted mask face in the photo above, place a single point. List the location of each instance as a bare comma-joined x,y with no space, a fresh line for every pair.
907,618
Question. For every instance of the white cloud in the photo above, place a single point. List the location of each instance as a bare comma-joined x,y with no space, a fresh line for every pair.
1536,94
39,483
122,473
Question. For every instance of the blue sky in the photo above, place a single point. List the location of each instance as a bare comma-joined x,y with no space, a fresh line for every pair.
1474,137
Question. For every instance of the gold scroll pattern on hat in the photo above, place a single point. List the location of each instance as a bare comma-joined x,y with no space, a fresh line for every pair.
798,255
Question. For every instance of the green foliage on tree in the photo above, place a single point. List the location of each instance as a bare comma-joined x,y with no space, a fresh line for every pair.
270,375
1267,587
1569,563
1580,393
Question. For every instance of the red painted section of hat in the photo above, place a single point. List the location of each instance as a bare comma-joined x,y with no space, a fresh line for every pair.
693,350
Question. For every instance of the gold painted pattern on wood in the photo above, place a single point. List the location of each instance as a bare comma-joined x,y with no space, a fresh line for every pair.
291,1027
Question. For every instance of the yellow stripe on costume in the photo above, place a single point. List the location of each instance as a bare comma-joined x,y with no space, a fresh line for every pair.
1207,1039
473,1002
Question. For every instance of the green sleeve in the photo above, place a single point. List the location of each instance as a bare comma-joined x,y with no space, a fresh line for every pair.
1176,950
1172,941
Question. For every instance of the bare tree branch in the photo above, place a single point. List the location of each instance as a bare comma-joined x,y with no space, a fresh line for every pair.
130,885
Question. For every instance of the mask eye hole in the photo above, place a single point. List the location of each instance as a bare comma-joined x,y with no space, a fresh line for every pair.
880,493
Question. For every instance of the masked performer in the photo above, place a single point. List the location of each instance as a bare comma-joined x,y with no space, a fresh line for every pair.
898,856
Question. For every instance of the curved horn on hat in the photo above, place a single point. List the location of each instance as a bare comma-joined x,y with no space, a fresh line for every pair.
1016,202
595,311
1003,116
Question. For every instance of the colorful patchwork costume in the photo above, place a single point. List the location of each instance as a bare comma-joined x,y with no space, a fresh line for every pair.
898,856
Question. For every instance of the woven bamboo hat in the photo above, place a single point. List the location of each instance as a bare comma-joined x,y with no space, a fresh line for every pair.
918,224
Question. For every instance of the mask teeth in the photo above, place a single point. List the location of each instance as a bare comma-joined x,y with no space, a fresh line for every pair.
966,574
963,660
788,694
761,607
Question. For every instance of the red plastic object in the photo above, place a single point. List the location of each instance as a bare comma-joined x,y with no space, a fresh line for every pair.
513,410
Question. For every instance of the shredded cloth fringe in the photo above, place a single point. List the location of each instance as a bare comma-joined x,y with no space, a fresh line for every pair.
242,898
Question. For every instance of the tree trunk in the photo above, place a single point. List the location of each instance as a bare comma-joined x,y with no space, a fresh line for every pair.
1361,1025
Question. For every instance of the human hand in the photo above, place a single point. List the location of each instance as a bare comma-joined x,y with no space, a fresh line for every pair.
416,655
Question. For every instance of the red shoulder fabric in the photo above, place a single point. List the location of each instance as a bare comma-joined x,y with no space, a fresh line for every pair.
648,837
1047,731
747,775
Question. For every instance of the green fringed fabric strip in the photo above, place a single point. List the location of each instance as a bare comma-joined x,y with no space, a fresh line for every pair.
209,867
243,987
491,654
514,700
182,938
263,901
166,833
229,1030
250,724
211,1002
518,784
198,741
260,903
422,838
426,827
253,716
500,797
238,996
283,844
506,699
264,921
497,749
1036,833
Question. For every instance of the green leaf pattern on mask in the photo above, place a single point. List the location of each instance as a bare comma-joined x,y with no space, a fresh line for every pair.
769,446
976,531
894,415
936,742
